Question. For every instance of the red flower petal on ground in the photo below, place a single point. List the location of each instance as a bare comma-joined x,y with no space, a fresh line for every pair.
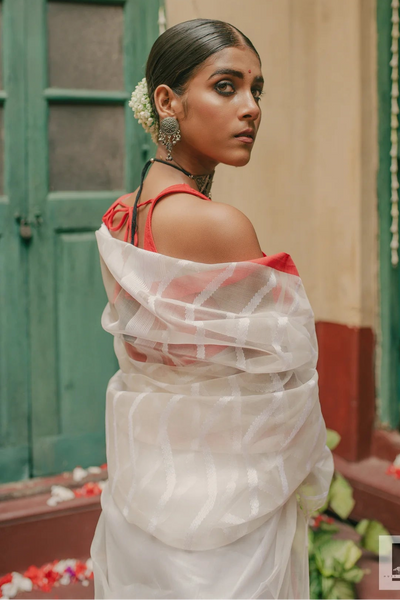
6,579
45,577
393,470
91,488
80,568
32,573
317,520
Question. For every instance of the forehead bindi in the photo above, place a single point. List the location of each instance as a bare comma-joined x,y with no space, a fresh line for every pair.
237,62
228,71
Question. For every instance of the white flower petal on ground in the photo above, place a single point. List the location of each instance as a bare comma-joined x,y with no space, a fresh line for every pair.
78,473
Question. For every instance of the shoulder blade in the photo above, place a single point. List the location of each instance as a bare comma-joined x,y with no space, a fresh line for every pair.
195,229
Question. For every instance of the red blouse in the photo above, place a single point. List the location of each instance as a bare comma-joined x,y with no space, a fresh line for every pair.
148,244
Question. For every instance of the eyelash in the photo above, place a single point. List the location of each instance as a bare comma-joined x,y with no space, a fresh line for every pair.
257,99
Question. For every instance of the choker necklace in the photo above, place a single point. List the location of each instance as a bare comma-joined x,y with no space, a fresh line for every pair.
203,183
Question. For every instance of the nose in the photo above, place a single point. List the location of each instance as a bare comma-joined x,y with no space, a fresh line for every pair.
250,109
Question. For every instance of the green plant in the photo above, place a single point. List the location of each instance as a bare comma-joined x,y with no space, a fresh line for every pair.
333,568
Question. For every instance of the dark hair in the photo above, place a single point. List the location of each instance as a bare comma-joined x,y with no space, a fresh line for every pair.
181,49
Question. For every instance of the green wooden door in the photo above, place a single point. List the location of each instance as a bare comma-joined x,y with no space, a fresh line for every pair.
81,149
388,393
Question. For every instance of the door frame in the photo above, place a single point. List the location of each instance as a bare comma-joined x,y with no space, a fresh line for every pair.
15,431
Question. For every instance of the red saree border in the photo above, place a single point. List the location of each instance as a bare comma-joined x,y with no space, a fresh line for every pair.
280,261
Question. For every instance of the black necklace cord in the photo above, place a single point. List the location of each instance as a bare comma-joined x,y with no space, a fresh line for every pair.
203,182
164,162
134,212
142,177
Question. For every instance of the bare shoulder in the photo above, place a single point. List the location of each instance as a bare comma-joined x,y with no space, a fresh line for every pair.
190,227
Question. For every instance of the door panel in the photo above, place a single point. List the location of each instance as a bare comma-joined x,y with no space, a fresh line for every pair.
78,167
85,46
86,147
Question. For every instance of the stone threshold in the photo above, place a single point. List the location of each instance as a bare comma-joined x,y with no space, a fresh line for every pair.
42,485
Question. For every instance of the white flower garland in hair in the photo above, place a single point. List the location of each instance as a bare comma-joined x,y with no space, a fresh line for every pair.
394,124
141,106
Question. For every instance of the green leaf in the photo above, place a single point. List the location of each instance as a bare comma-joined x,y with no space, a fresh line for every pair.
323,507
355,574
339,589
370,531
310,541
332,438
362,526
341,496
315,581
332,557
350,552
332,527
320,537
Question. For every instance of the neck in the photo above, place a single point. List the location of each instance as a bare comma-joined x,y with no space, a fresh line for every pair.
182,157
200,180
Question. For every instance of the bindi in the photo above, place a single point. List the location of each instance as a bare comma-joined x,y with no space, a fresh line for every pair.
249,70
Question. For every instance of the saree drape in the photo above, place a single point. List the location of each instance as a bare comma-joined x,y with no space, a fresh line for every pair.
216,445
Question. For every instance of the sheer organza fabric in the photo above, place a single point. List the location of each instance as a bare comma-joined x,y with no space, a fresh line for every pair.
216,445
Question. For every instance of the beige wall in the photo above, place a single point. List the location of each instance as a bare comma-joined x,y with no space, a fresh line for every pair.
310,187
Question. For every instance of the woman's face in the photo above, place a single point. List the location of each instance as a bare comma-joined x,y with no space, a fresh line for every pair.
221,101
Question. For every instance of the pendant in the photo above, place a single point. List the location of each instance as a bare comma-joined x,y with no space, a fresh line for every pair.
204,183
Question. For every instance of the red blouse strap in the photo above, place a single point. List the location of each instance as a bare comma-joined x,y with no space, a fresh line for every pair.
149,243
126,209
116,207
179,187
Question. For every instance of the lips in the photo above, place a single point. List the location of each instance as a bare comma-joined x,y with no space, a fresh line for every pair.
246,134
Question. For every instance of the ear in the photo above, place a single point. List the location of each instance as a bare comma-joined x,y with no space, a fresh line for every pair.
165,101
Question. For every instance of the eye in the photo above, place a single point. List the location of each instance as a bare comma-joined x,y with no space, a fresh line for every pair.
222,88
258,94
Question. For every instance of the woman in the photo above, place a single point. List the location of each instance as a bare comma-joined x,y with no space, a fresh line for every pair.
216,445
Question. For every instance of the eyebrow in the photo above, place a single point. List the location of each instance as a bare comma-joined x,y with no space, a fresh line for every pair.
234,73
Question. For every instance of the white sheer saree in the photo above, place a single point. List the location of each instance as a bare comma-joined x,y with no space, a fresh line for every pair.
216,445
